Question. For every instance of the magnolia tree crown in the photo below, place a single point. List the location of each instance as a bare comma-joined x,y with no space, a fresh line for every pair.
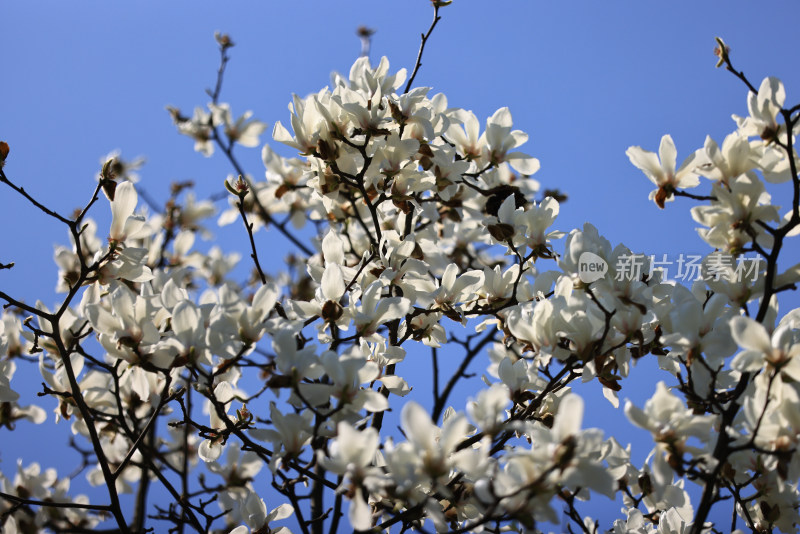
421,236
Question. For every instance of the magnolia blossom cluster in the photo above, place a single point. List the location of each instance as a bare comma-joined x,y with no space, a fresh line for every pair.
431,235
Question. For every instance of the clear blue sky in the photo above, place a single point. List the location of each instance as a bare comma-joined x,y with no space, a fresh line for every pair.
585,79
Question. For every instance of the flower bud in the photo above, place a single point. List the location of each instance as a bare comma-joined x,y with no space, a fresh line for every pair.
332,311
107,179
363,31
566,452
645,484
548,419
238,188
502,232
223,39
722,50
3,153
771,513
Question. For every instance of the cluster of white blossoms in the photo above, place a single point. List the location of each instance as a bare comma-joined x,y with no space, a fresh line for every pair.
431,235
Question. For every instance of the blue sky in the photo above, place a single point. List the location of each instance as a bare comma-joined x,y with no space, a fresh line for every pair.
585,79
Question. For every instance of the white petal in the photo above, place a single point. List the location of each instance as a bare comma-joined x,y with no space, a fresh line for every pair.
523,163
209,451
264,300
636,416
125,200
374,401
332,282
281,512
501,117
668,155
750,334
569,418
333,248
748,361
390,309
282,135
360,513
647,162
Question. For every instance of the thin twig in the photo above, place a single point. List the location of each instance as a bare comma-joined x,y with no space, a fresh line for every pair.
53,504
249,227
425,37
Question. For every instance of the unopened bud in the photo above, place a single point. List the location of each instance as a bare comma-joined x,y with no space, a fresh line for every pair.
363,31
769,134
645,484
223,39
556,194
661,196
329,181
548,420
728,472
675,461
566,452
175,113
722,51
243,415
327,151
3,153
397,113
501,232
610,382
771,513
238,188
107,179
332,311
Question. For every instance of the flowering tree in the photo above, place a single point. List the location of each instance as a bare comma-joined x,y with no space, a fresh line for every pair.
418,229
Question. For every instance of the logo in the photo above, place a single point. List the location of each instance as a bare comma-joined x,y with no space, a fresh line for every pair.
591,267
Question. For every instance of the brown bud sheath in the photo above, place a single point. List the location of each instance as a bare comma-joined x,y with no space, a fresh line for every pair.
3,153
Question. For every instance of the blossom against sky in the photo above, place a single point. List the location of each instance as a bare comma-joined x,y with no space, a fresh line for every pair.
585,83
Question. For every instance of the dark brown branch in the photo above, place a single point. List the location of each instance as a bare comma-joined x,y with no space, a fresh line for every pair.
441,400
29,198
249,227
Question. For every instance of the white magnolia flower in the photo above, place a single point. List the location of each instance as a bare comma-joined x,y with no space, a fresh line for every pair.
351,454
199,127
307,124
291,432
733,217
7,369
434,447
253,511
376,310
456,290
465,134
211,449
10,411
124,223
370,80
488,409
499,139
123,169
347,373
128,330
669,420
696,327
764,108
243,130
663,174
778,352
734,158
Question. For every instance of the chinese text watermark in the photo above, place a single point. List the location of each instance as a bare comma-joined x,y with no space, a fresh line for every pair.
681,268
